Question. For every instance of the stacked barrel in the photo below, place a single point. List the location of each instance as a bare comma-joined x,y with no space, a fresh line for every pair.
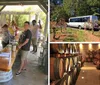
90,56
96,59
64,66
94,56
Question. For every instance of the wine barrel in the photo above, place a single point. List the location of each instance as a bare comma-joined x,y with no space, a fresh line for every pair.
66,64
98,65
58,48
95,61
75,73
71,64
56,68
75,60
89,60
66,80
54,48
70,79
78,68
91,56
62,81
58,55
56,82
80,58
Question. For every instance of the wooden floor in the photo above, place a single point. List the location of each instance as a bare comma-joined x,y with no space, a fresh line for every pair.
89,75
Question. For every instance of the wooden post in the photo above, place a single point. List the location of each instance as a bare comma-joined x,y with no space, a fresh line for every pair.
29,17
46,27
36,17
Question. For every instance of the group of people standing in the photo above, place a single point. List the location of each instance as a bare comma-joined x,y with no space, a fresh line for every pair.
30,33
9,31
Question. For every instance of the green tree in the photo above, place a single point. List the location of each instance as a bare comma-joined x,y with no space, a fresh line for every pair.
81,7
58,13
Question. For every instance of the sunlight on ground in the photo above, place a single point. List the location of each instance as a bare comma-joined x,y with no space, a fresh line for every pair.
88,68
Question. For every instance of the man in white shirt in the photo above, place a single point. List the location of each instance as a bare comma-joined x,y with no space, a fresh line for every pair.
35,35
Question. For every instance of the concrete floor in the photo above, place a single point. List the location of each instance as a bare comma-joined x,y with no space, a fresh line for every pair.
32,76
89,75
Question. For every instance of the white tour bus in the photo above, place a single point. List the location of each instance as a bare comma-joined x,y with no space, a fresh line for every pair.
80,21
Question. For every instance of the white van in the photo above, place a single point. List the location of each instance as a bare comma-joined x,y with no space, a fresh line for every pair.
80,21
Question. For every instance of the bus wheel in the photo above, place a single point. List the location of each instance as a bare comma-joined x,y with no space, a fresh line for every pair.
79,27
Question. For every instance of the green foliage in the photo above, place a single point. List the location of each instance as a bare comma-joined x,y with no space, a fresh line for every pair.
93,2
58,13
20,19
76,8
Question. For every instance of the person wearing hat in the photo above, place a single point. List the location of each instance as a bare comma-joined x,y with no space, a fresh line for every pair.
6,36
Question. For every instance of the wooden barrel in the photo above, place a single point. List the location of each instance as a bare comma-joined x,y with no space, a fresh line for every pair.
91,56
71,63
89,60
66,80
58,48
62,81
54,48
79,58
58,55
66,64
95,61
75,60
56,82
70,79
56,68
75,73
98,65
78,67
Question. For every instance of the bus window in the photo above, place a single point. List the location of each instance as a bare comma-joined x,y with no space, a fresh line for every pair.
94,18
83,19
87,18
72,20
76,20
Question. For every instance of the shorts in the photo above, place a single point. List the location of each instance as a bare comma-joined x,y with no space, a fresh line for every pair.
34,41
24,55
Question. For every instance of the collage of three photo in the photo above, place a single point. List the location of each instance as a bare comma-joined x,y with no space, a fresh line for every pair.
74,42
49,42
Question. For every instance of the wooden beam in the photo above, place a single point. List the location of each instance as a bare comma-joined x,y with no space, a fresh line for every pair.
12,12
45,5
25,2
2,8
19,2
41,6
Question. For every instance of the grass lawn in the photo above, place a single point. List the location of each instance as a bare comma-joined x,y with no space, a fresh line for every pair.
73,34
77,35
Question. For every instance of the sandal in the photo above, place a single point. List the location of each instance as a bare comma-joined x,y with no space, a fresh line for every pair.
18,73
24,69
